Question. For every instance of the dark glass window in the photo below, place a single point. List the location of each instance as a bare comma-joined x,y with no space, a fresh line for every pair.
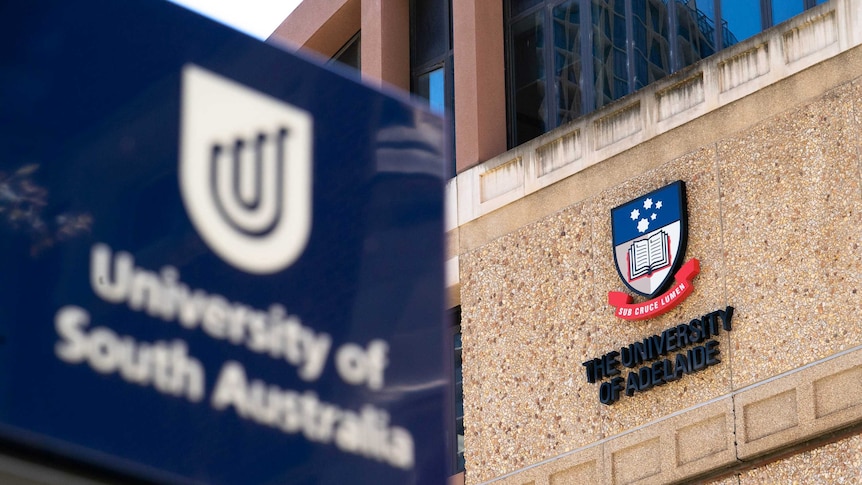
429,31
784,9
610,59
521,6
567,61
431,86
349,54
431,60
651,46
695,32
528,76
743,18
566,58
459,398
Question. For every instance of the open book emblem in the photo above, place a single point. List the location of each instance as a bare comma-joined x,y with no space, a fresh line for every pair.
649,255
649,237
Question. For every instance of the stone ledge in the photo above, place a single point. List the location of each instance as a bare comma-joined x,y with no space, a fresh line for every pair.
799,406
712,438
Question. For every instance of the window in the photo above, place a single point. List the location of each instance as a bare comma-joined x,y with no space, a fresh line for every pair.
349,54
696,32
431,86
651,42
782,11
458,393
610,51
431,62
528,76
744,17
566,58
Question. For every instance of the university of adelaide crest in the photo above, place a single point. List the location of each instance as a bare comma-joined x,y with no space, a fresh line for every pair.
649,239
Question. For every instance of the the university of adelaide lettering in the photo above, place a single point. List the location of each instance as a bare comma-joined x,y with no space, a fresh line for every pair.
651,361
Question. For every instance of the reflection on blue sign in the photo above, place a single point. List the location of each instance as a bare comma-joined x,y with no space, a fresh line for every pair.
219,263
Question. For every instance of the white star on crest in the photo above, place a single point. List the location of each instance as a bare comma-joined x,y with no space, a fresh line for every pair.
643,225
635,214
653,216
658,205
648,204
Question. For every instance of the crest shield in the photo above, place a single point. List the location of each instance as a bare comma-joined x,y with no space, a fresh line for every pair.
245,172
649,239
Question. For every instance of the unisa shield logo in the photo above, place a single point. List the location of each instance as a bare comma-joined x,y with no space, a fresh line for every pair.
649,239
245,171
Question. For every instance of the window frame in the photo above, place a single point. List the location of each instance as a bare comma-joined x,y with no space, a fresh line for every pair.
444,59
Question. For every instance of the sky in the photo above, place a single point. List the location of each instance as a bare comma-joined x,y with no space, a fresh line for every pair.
258,18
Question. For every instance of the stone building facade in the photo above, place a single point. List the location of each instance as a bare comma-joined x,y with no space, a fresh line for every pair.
765,134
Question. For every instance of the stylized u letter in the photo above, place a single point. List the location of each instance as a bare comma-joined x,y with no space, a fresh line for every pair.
247,182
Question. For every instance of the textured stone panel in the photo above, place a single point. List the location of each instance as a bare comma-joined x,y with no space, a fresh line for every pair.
501,179
743,67
681,96
790,200
636,462
770,415
618,125
810,37
527,302
559,153
583,473
838,392
701,439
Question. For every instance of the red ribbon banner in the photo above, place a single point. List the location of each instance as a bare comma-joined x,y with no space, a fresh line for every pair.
660,304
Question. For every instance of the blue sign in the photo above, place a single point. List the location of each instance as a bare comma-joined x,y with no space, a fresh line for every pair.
219,262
